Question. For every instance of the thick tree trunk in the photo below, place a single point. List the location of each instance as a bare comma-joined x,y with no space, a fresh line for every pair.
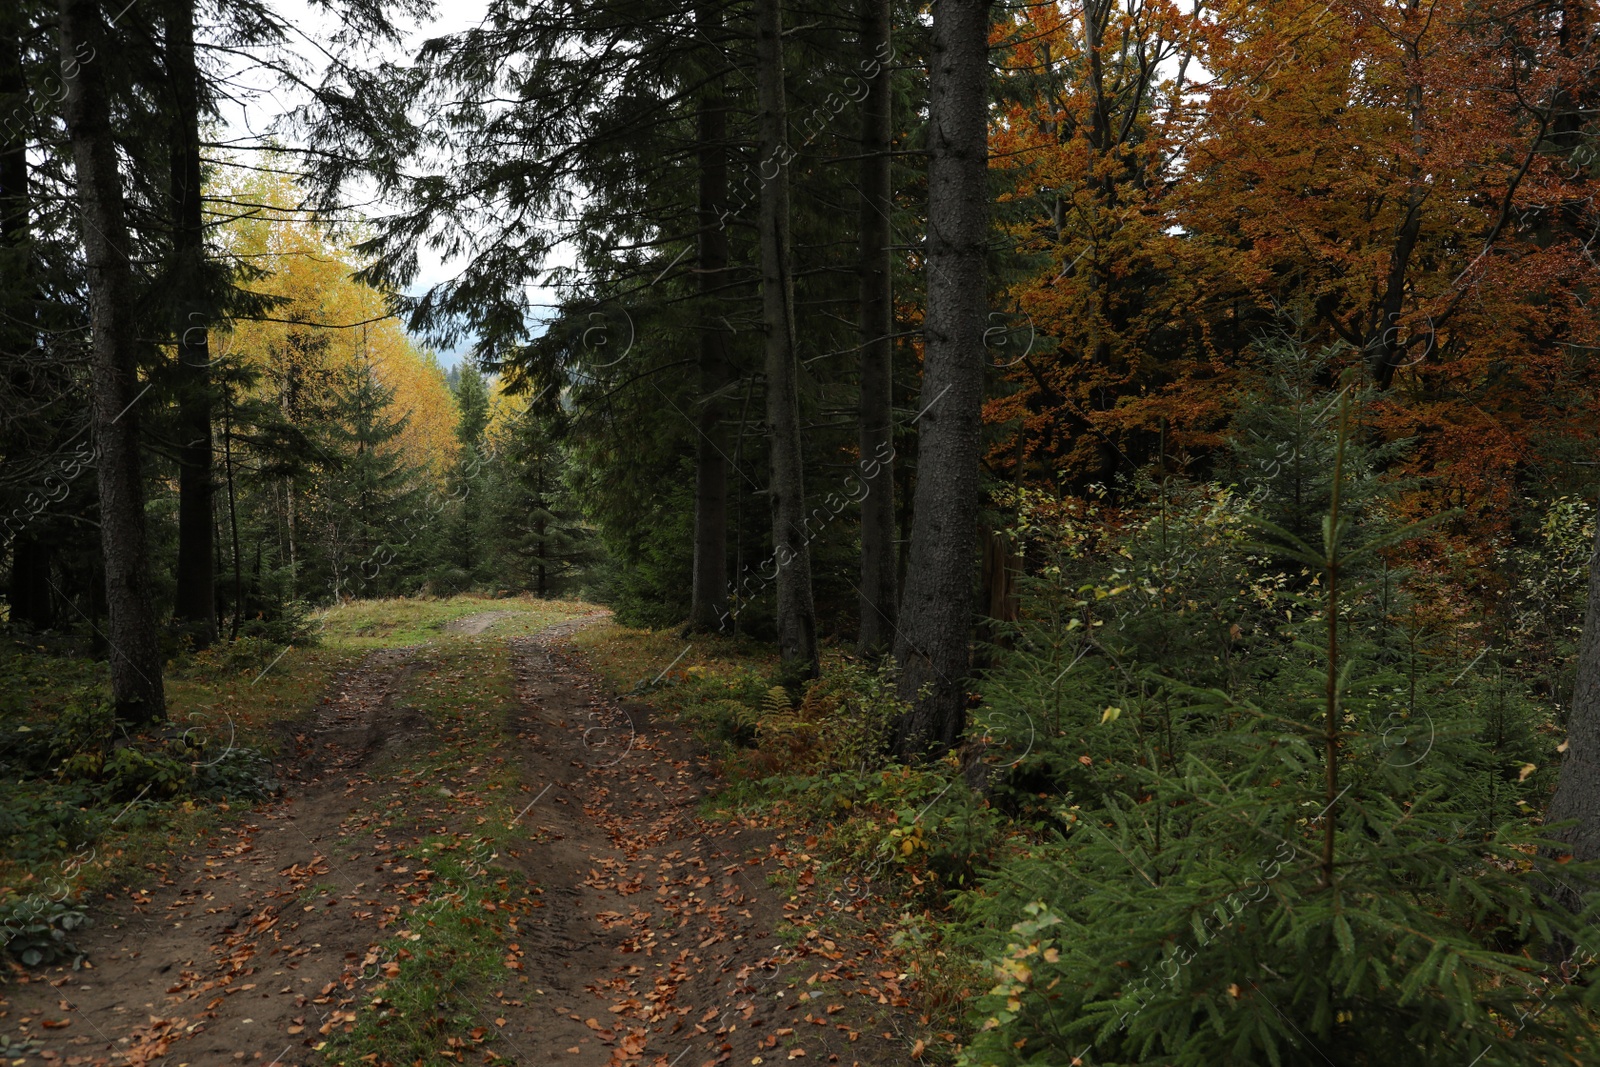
194,605
797,627
135,655
880,588
709,599
934,641
1577,796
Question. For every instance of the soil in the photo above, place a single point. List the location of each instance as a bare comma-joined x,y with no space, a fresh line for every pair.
658,942
473,625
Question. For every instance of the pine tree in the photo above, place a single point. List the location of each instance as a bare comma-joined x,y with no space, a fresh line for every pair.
469,478
1267,851
545,543
368,500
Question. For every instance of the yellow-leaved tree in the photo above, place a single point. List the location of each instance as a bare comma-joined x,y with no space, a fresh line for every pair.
342,429
325,319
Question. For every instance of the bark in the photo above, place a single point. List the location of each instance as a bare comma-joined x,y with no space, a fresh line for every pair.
999,593
797,627
1577,795
1382,347
194,605
709,600
136,684
233,515
880,587
934,642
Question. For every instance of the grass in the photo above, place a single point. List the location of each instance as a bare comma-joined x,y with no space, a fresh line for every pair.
218,700
65,834
435,978
397,622
675,671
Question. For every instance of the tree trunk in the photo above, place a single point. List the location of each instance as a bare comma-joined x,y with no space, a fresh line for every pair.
709,598
135,656
880,588
998,590
233,515
194,605
933,645
797,627
1577,796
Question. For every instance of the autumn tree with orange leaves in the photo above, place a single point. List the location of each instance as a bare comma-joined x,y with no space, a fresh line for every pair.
1400,178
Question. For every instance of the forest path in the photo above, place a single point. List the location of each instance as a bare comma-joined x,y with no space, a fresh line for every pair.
649,936
477,624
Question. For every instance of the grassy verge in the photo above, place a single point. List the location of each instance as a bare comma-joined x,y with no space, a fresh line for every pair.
398,621
677,672
81,807
895,842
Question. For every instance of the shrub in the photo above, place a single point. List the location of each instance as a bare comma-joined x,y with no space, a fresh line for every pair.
1273,824
38,932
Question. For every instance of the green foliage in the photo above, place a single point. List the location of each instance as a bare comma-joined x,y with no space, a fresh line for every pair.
648,576
542,542
470,480
856,707
130,772
1286,439
38,933
1547,572
84,725
1215,877
371,505
37,825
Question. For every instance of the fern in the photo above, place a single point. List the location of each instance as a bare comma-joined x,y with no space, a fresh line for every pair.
776,704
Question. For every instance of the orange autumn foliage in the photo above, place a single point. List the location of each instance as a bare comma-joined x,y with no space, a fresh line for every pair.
1411,180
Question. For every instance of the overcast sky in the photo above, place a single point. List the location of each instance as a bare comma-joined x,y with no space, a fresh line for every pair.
262,99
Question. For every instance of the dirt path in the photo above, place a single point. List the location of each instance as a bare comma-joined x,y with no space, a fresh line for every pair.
655,937
477,624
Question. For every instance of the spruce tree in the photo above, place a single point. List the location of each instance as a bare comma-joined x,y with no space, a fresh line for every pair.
544,541
469,478
934,642
136,662
368,493
1264,850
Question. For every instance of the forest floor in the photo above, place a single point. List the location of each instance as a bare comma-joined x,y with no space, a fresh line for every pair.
479,856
